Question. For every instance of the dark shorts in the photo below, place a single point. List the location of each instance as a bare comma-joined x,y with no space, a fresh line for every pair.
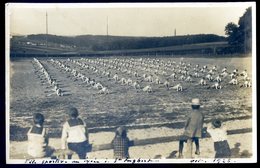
185,138
80,148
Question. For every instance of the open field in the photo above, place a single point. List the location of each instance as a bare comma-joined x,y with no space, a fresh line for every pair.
124,105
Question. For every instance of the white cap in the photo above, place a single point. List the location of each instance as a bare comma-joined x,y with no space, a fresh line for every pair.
195,101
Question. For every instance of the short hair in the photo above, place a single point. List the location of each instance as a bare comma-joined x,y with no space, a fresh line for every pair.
121,131
73,112
38,118
216,123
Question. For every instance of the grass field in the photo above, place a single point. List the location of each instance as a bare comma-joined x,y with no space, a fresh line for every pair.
29,93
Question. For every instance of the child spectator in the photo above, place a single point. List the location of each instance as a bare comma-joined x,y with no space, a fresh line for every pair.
193,127
75,134
37,138
219,136
120,144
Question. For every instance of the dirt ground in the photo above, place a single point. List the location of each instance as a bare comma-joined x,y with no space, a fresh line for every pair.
123,106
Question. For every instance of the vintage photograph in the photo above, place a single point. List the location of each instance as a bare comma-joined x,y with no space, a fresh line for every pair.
130,83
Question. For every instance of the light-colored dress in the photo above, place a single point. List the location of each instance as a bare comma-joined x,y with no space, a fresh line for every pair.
37,142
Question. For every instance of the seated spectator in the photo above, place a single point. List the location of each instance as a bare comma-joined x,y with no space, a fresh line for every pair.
75,135
120,144
38,138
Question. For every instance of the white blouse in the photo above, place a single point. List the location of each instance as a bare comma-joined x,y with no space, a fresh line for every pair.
217,134
37,144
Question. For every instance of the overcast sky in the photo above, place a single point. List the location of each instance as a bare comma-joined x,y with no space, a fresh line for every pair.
126,20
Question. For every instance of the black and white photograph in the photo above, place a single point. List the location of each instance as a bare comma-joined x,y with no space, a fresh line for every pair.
130,83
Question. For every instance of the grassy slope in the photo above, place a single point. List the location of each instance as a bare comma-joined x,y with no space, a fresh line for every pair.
53,50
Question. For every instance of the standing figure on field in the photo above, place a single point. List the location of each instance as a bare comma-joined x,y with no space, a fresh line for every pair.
193,127
219,135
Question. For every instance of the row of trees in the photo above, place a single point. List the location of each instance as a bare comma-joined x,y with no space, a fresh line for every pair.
155,42
241,34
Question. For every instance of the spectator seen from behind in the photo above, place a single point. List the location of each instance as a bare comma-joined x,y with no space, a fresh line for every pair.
219,135
120,143
75,134
37,138
193,127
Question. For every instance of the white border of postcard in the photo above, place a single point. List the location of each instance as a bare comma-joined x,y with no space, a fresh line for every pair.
133,5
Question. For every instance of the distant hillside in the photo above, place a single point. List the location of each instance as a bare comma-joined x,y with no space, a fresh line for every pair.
103,43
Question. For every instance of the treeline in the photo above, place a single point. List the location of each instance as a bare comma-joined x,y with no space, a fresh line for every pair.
155,42
241,33
102,43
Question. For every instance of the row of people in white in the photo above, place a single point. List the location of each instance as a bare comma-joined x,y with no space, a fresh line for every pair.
49,78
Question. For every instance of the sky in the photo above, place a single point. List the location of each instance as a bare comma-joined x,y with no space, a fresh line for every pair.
122,19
